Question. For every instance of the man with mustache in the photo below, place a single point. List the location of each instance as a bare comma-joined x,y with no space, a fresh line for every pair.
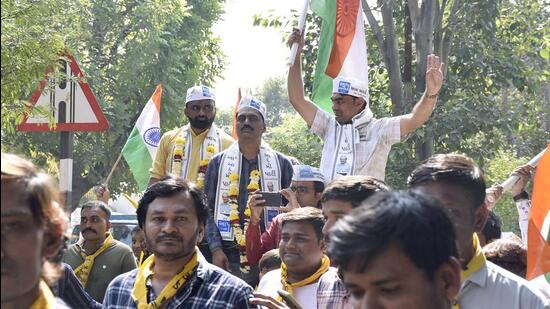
172,214
98,257
186,151
352,135
247,166
33,224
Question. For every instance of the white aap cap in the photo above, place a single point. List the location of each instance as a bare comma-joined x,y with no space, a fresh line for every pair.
307,173
252,103
199,93
350,86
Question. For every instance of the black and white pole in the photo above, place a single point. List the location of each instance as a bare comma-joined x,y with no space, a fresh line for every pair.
66,115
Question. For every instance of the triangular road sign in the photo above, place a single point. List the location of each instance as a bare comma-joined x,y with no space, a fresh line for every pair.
72,104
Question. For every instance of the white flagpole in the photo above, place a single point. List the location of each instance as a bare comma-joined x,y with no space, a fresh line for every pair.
508,183
301,24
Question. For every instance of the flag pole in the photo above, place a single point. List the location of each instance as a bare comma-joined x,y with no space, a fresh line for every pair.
113,169
508,183
301,24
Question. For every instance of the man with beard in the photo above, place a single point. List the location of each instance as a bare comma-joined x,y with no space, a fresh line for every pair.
33,224
98,257
186,151
246,167
172,214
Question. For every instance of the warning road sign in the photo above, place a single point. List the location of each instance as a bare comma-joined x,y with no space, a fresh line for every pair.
71,103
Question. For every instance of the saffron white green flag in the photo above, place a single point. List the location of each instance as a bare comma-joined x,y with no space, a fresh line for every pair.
141,147
342,47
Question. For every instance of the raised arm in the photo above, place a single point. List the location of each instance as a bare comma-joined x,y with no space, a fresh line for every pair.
423,108
295,84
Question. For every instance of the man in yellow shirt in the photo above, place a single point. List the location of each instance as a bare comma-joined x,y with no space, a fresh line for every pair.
186,151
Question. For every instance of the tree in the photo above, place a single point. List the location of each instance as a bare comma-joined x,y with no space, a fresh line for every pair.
125,49
274,94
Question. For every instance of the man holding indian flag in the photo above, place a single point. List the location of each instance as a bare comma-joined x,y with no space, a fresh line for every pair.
352,134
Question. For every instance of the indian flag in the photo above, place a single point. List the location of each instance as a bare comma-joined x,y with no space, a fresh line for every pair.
141,147
538,230
342,47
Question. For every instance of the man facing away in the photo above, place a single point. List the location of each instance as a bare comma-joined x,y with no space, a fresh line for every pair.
397,251
458,183
98,258
355,143
33,224
186,151
172,214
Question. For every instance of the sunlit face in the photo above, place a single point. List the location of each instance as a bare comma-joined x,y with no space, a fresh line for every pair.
459,206
250,124
23,244
94,224
392,281
300,248
172,229
305,193
345,107
201,113
333,210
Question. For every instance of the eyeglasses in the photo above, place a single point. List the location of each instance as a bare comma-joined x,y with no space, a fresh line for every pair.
299,189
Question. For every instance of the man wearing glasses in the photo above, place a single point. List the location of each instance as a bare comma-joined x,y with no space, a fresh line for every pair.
186,151
306,189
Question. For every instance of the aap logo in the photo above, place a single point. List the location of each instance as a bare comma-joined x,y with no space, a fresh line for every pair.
255,104
152,136
206,92
306,172
343,87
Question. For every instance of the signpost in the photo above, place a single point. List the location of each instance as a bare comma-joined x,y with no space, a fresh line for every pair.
73,107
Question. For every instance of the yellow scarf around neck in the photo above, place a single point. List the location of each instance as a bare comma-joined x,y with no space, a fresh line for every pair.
325,264
139,292
46,299
477,261
82,272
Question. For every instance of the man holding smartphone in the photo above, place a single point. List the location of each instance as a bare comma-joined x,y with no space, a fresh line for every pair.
306,189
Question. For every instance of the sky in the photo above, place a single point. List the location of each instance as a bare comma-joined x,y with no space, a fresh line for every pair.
253,54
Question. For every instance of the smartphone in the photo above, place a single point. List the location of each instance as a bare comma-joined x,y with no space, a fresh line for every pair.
272,199
289,299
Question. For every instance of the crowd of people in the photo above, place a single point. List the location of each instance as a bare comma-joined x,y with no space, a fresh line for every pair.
236,224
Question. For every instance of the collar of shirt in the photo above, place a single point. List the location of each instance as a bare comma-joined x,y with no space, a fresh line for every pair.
478,278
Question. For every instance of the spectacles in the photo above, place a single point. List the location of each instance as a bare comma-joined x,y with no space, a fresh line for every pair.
299,189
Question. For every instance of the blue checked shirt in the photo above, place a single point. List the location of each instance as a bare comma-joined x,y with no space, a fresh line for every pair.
210,287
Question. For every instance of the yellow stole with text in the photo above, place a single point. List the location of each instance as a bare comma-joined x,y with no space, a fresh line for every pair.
46,299
287,286
477,261
139,292
82,272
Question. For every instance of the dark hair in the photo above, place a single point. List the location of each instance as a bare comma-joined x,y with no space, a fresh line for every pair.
168,187
455,169
135,229
353,189
412,221
492,229
270,260
509,254
97,204
310,215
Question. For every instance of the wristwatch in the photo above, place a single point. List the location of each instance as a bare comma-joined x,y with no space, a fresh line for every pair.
522,196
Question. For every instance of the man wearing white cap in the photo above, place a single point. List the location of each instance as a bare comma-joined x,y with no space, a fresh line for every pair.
352,135
306,189
247,166
186,151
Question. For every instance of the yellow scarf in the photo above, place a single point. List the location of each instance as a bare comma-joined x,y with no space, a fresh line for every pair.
45,300
477,261
139,292
82,272
287,286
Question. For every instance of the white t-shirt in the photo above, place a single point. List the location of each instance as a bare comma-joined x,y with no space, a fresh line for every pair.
305,295
373,139
495,287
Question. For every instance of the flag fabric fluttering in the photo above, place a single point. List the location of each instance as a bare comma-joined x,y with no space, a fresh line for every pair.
538,230
141,147
234,131
342,47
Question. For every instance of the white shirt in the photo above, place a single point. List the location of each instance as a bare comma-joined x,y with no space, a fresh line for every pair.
305,295
494,287
373,141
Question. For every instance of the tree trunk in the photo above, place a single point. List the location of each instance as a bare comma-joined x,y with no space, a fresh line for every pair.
408,95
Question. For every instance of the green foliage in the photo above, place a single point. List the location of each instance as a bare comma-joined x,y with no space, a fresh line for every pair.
274,94
292,138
